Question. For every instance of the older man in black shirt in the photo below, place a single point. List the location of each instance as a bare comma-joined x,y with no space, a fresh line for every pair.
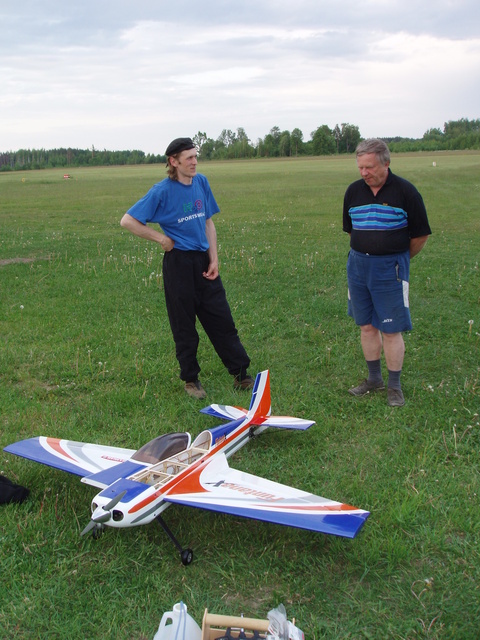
388,225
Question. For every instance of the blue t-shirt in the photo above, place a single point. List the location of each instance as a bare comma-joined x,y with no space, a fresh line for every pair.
180,210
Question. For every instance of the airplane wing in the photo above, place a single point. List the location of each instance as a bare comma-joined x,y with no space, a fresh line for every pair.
217,487
79,458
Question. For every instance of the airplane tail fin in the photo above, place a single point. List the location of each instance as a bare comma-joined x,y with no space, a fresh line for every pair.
261,402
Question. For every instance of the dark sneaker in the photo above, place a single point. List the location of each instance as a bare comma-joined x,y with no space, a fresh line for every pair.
245,383
367,387
195,390
395,397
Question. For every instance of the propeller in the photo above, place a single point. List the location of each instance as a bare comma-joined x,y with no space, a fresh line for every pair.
103,514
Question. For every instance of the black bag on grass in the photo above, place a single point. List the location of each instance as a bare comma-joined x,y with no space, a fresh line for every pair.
10,492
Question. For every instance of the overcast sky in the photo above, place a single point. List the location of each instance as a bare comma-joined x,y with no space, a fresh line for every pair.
134,74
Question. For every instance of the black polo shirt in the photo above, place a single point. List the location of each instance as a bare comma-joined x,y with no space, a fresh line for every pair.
383,224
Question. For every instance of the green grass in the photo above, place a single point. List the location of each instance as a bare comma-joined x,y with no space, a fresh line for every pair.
86,354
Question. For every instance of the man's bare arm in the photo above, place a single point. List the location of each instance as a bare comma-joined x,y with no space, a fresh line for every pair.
417,244
144,231
211,233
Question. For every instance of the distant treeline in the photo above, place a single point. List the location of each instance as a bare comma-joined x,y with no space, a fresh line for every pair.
50,158
456,135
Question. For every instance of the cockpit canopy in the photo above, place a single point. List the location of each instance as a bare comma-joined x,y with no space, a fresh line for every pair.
162,447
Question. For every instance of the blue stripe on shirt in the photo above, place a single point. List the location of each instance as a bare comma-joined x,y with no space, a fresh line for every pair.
377,217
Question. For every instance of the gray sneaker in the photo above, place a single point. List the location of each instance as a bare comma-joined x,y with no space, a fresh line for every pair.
367,387
395,397
195,390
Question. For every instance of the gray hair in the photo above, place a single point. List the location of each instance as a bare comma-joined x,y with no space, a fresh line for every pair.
376,146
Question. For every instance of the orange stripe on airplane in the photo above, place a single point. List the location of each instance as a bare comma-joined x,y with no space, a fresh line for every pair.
332,507
146,502
54,443
266,402
191,483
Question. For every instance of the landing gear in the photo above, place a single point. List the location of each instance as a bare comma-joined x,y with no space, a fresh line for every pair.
97,531
186,555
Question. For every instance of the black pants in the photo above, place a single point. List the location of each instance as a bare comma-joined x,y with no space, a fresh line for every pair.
188,295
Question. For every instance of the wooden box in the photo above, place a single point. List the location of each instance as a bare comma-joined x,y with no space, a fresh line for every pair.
215,626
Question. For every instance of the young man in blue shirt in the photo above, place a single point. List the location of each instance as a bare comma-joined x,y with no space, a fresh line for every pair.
183,205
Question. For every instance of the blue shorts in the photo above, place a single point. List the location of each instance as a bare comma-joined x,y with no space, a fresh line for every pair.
378,291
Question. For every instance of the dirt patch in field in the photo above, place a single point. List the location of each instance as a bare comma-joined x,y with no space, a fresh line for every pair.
6,261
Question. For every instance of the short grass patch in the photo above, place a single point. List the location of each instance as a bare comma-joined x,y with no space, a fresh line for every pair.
86,354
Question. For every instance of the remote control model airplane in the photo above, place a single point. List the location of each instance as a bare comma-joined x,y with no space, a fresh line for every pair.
137,486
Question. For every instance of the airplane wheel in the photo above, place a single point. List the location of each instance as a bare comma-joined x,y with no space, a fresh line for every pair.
186,556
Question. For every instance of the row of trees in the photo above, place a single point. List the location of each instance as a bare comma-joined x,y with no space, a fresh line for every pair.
457,134
41,158
324,141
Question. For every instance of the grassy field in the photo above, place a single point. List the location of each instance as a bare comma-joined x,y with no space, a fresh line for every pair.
86,354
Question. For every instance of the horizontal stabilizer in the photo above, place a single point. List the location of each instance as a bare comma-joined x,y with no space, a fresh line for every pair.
225,412
284,422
